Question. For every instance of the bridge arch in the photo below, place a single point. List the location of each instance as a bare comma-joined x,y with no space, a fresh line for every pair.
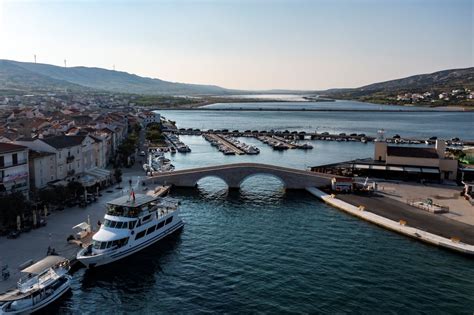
210,176
263,174
234,174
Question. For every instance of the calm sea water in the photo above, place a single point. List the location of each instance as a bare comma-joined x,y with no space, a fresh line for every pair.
264,250
407,123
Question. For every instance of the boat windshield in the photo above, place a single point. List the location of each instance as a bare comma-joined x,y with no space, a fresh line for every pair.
119,225
123,211
111,244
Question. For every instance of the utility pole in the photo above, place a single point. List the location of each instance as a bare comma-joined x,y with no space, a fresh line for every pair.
65,63
35,58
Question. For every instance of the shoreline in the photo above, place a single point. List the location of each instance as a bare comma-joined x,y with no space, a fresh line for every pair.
310,110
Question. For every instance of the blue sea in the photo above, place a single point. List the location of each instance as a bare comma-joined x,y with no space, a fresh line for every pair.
266,250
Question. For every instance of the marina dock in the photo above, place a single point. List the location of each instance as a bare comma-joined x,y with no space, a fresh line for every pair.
229,145
280,143
175,144
322,136
223,145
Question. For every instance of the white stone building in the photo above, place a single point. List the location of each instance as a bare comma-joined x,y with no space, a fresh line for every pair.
14,172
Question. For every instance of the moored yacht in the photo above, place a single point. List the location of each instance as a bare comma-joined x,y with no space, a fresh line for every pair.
131,223
42,283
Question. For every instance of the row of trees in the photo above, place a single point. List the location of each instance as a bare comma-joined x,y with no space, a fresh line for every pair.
128,147
12,205
60,194
153,133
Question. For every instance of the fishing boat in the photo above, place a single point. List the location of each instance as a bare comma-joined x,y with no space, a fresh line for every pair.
131,223
41,284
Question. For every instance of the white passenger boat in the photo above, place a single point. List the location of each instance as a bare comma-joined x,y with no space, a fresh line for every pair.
131,224
42,284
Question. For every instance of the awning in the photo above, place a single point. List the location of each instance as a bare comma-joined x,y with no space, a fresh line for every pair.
430,170
88,180
99,173
412,169
82,226
395,168
44,264
361,166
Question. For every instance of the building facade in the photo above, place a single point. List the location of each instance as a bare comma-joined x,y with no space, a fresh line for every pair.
14,171
417,159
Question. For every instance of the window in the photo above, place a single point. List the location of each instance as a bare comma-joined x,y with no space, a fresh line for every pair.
103,245
168,221
2,161
151,229
160,225
15,158
146,218
131,224
140,235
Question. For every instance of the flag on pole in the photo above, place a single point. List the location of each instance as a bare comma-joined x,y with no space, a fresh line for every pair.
133,195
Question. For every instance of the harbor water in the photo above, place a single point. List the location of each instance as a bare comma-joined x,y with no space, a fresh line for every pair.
266,250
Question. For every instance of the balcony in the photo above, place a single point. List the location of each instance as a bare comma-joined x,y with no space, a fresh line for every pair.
70,159
10,164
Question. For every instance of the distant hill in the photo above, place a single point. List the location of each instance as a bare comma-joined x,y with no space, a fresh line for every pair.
16,78
34,76
445,80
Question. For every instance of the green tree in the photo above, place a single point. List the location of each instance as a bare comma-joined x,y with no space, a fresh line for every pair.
118,175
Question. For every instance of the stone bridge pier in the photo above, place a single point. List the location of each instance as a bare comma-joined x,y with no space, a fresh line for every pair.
234,174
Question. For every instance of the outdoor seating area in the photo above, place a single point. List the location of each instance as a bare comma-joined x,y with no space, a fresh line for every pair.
428,205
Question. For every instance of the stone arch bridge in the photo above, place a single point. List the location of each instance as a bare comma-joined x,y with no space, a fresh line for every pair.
234,174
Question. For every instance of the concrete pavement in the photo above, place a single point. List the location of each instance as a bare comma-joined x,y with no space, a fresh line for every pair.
34,244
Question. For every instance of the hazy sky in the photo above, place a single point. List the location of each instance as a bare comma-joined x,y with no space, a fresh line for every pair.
245,44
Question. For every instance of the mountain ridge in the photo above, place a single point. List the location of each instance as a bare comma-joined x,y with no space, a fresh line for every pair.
104,80
435,81
30,77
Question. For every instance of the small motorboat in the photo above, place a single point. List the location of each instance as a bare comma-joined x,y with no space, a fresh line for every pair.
43,283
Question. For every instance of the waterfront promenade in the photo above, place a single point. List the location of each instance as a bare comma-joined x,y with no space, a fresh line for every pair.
393,215
417,218
34,244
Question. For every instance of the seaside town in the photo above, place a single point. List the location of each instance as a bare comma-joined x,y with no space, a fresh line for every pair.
79,151
461,94
236,157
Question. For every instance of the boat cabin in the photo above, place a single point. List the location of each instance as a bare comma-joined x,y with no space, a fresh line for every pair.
129,207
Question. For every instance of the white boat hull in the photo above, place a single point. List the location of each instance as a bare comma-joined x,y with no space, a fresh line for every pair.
43,303
109,257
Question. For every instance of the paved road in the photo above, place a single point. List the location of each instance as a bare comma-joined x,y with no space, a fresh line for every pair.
423,220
